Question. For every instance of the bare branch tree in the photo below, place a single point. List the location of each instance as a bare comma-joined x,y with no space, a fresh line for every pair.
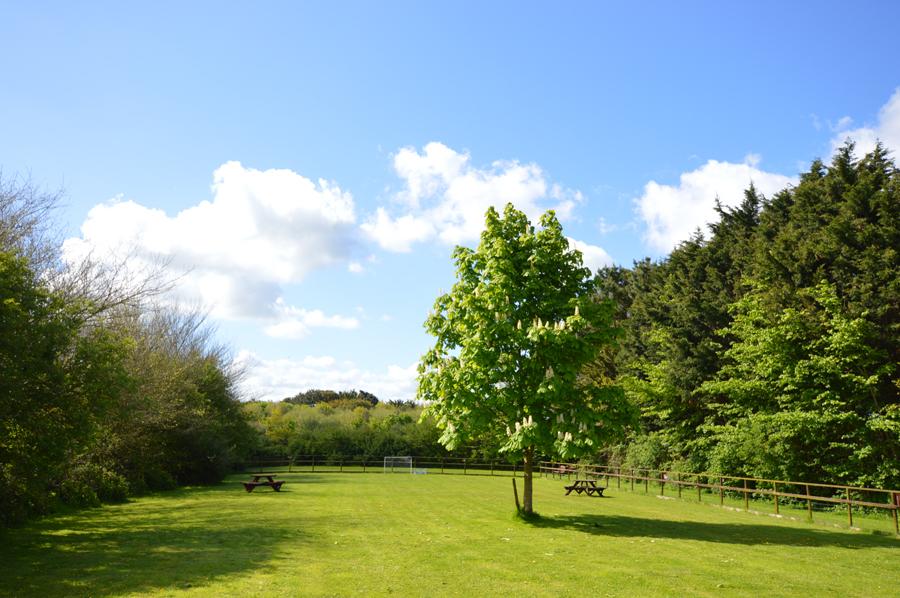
114,281
26,223
27,228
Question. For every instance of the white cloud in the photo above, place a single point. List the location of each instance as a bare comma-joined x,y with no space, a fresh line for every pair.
672,213
398,234
445,198
887,130
843,123
295,322
592,256
604,227
280,378
325,361
426,173
262,229
355,267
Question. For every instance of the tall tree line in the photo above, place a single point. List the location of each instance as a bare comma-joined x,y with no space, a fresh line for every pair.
102,393
359,428
770,346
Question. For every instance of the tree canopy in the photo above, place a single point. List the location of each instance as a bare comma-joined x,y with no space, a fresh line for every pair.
102,393
514,339
769,347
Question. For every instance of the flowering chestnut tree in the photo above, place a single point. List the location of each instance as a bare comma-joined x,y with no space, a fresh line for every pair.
514,339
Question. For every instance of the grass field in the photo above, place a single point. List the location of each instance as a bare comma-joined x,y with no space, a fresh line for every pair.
329,534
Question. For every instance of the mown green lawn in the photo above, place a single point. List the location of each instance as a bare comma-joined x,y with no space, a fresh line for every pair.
331,534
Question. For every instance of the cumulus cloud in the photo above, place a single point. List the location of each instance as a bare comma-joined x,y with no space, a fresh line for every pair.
887,130
295,322
262,229
592,256
398,234
672,213
279,378
444,197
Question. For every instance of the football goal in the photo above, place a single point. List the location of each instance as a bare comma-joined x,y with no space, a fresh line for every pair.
398,465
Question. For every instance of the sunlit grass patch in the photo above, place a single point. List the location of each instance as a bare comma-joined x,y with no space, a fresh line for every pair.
431,535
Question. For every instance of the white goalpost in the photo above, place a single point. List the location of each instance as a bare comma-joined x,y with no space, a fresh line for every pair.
398,465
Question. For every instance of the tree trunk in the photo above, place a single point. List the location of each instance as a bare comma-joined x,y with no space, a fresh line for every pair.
528,474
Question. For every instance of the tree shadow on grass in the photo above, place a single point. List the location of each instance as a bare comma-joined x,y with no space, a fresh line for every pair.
105,554
725,533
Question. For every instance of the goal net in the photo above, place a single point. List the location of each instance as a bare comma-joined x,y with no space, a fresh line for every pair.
398,465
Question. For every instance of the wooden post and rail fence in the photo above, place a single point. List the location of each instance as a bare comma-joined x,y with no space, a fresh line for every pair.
779,492
341,464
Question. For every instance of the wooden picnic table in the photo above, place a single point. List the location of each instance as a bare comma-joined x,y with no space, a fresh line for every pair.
270,481
588,487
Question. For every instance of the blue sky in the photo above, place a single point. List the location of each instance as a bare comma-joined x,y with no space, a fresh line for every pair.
306,168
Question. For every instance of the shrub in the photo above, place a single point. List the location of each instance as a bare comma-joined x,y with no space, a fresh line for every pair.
89,484
157,479
650,451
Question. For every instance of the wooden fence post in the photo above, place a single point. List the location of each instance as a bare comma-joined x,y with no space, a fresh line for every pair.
895,500
808,502
775,486
849,508
313,463
465,467
793,489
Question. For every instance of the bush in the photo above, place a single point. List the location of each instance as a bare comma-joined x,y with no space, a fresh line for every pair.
89,484
157,479
650,451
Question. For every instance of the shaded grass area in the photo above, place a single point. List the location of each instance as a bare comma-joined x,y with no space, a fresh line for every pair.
430,535
177,539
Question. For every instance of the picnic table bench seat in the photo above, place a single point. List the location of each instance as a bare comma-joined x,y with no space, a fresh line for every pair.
258,481
588,487
249,486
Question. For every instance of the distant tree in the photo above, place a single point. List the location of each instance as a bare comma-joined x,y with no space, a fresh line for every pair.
316,396
514,337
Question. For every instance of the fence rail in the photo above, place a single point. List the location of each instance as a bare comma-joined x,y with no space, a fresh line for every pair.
812,495
778,491
446,465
